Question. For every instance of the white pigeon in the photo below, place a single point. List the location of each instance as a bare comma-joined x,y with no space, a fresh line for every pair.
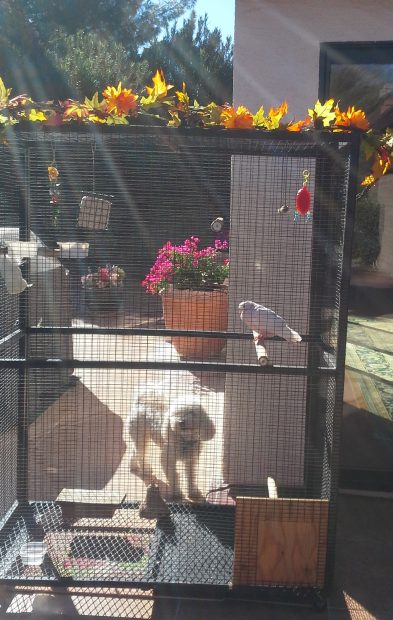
266,323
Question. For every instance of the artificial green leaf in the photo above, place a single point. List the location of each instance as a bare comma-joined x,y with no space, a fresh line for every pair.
259,118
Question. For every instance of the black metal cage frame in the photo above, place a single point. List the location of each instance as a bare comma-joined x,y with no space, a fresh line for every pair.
324,368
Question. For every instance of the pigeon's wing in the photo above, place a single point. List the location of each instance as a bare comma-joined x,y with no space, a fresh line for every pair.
275,324
267,323
257,318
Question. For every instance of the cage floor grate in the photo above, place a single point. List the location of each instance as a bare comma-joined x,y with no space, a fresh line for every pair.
194,546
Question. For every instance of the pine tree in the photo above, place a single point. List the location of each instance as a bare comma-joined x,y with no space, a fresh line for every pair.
28,29
89,62
197,55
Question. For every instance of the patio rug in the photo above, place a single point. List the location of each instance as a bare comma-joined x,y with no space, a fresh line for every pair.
97,555
370,351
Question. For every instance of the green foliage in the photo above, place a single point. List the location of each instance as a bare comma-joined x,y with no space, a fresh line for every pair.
29,27
90,62
130,22
208,275
198,56
55,49
366,246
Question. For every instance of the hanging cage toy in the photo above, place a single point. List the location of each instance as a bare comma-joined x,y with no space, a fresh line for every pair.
95,207
220,229
94,211
303,200
54,189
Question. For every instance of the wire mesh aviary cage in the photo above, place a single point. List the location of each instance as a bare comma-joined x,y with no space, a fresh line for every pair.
220,392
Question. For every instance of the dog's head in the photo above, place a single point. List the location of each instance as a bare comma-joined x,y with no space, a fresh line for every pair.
189,420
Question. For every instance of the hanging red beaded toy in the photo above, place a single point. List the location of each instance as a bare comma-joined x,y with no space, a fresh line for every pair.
303,199
54,191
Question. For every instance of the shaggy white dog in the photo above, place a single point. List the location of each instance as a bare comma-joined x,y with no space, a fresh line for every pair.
178,427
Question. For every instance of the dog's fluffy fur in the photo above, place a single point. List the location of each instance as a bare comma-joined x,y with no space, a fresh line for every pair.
178,427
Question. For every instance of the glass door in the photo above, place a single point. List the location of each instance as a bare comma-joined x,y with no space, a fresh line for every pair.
361,74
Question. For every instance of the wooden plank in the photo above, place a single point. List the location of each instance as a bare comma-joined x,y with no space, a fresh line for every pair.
246,535
280,541
287,552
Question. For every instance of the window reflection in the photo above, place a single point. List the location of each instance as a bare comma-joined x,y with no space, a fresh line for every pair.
369,87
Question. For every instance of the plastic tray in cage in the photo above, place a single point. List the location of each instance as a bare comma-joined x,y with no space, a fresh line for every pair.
94,212
32,553
22,249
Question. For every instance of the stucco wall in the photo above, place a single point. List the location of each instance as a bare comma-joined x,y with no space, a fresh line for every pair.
277,45
270,264
276,58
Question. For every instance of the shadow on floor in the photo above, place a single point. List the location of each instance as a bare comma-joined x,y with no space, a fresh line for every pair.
84,458
362,587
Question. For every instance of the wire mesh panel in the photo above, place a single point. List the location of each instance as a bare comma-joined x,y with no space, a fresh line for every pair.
9,345
149,419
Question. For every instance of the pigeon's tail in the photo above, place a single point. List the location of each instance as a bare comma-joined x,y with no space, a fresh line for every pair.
291,336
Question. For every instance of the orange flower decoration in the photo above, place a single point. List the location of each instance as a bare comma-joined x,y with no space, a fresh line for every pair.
120,100
382,163
351,119
275,115
237,119
74,110
160,88
299,125
53,174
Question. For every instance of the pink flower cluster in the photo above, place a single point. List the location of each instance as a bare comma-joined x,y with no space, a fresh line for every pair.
186,266
105,277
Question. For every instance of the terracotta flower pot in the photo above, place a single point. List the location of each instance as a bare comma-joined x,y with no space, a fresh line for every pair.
200,311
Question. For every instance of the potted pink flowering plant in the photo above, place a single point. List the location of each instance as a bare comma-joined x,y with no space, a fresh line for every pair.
103,287
192,284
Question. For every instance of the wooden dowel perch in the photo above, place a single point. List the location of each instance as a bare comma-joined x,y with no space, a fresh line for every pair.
272,488
263,359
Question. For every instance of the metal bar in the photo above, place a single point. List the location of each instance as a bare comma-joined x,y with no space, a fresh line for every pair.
9,340
150,365
314,137
145,331
8,518
68,582
304,596
314,422
22,169
341,350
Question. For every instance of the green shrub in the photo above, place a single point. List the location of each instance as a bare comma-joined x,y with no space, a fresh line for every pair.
366,246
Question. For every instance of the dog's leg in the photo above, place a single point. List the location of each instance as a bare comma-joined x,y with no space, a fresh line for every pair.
191,467
168,462
138,461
